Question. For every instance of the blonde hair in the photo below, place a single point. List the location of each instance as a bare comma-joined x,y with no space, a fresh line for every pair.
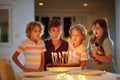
79,28
30,27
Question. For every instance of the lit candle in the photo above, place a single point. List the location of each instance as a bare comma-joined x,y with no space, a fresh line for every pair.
74,55
70,53
60,57
53,57
66,57
56,59
63,57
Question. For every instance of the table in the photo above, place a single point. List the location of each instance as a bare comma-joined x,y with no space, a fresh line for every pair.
72,75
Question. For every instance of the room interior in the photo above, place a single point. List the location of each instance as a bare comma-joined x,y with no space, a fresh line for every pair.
64,9
72,12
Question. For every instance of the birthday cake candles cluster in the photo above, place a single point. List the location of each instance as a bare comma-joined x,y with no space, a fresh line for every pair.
60,57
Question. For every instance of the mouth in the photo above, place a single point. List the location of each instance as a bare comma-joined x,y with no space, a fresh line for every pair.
96,33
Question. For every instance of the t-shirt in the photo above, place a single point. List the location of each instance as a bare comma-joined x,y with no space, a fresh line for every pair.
108,47
32,52
50,48
77,54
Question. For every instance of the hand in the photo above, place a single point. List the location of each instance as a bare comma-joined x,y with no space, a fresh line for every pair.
94,54
93,51
95,61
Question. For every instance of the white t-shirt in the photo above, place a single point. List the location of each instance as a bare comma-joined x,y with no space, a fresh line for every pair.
77,54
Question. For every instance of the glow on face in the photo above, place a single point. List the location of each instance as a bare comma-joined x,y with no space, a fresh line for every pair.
76,35
35,33
98,31
55,32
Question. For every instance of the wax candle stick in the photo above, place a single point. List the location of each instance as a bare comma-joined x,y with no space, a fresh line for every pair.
63,57
53,59
60,57
66,57
56,58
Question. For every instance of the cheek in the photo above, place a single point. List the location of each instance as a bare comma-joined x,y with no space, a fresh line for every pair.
83,36
50,33
100,32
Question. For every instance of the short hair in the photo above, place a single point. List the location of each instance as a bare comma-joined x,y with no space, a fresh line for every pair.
54,23
30,27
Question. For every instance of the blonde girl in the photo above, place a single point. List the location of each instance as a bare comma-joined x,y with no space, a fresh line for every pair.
78,52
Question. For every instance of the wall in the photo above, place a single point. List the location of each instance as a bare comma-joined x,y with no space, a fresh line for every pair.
22,12
118,34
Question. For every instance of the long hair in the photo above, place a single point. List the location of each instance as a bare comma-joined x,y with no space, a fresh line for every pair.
102,23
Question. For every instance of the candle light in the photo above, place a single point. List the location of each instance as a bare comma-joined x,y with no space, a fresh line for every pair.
63,57
66,57
60,57
56,58
53,59
74,55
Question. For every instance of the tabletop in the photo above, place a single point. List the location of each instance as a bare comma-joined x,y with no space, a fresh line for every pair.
71,75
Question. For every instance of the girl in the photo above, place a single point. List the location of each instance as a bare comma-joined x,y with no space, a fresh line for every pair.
101,47
78,52
33,49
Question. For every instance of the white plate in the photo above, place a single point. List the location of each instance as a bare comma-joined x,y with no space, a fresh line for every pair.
92,72
34,75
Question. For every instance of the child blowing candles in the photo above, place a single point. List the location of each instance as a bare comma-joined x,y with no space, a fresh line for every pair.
78,50
33,49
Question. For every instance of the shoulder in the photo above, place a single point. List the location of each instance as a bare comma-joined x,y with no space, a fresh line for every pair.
25,41
69,40
64,42
41,42
47,41
82,47
108,41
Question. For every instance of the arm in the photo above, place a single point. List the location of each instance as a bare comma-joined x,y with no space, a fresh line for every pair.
42,62
16,60
84,58
83,63
104,59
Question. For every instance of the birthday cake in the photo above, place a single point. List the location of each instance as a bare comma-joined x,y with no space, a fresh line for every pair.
63,67
60,63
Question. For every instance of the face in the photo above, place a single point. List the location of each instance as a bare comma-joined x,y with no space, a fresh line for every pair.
98,31
35,34
76,36
55,33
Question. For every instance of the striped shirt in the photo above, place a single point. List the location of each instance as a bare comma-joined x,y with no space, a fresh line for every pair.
32,53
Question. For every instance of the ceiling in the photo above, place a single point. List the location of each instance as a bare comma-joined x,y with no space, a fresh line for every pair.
72,4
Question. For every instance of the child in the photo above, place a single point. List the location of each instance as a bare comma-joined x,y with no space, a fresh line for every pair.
78,52
33,49
101,47
55,44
